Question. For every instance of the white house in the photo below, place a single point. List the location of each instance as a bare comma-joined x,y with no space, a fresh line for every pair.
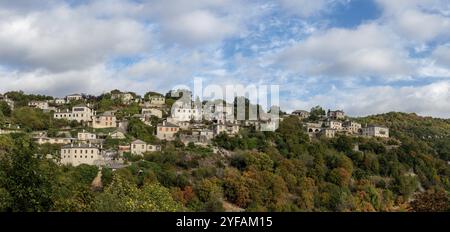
59,101
46,140
74,97
333,124
352,127
139,147
376,131
157,100
184,114
80,113
84,136
43,105
76,154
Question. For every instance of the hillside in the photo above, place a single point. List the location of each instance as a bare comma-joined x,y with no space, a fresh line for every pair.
283,170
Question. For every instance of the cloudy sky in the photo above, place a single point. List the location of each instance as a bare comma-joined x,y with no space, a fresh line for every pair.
365,56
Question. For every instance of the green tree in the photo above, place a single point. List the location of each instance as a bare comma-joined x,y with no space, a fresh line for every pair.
316,113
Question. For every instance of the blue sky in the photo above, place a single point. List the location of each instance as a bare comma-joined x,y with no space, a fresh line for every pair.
364,56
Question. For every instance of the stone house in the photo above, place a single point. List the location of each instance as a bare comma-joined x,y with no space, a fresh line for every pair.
185,114
118,134
85,136
328,132
80,113
139,147
375,131
76,154
124,97
43,105
302,114
152,112
74,97
166,131
157,100
352,127
336,114
228,128
104,120
47,140
333,124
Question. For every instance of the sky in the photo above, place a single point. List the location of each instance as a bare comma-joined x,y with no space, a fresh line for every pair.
363,56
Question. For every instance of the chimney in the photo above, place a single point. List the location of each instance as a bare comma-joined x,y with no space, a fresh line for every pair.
71,145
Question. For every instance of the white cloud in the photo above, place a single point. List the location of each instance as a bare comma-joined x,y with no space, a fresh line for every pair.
64,39
418,20
198,27
427,100
369,50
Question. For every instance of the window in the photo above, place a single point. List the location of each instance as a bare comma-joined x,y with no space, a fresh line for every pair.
75,151
92,151
92,156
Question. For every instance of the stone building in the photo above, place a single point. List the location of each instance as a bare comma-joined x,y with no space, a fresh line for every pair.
336,114
139,147
80,113
148,112
302,114
375,131
76,154
104,120
228,128
43,105
74,97
85,136
352,127
166,131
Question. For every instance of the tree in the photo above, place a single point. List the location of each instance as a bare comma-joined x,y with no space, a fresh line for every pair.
25,183
316,113
431,201
5,109
139,130
124,196
31,118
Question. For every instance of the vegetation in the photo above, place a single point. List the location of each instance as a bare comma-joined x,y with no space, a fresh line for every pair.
254,171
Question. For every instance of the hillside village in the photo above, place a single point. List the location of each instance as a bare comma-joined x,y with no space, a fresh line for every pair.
203,158
184,122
